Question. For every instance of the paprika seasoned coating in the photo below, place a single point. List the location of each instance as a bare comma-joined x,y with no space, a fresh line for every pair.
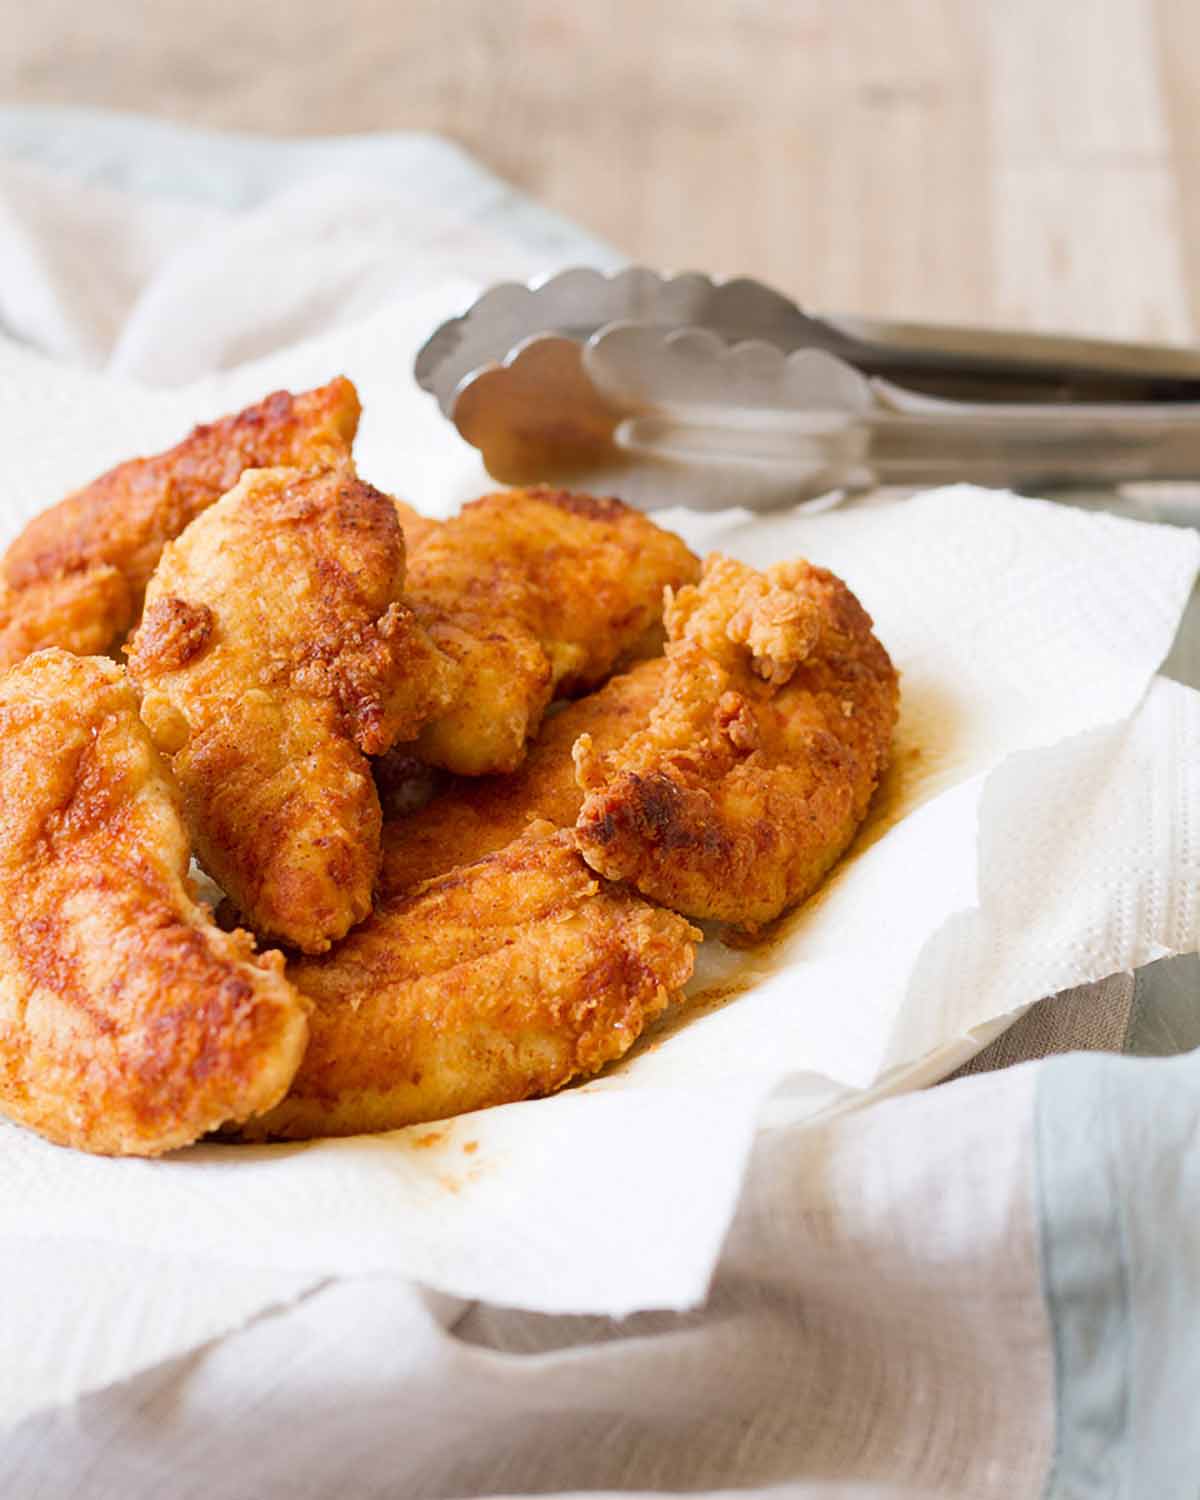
761,756
83,612
129,1023
469,817
76,575
498,981
274,654
416,527
537,594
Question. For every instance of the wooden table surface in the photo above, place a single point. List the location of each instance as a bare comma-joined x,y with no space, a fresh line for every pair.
1029,162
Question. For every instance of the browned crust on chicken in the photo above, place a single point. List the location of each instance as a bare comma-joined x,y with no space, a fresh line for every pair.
276,652
129,1024
117,525
498,981
469,817
760,759
536,594
416,527
83,612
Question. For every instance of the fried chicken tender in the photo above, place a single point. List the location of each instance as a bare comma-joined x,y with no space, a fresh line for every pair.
759,761
274,654
537,594
129,1024
76,575
473,816
500,980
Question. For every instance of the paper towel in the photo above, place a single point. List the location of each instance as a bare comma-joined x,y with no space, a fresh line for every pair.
992,872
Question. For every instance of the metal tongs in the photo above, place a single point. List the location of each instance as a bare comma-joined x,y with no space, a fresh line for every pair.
708,393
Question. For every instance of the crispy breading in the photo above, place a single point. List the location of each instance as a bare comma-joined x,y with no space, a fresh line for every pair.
760,759
537,594
275,652
469,817
501,980
60,576
129,1024
416,527
84,612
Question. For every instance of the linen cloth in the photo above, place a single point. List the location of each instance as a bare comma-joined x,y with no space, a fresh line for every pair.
877,1324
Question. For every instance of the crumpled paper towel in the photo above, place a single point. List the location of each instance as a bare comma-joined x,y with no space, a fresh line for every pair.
1027,839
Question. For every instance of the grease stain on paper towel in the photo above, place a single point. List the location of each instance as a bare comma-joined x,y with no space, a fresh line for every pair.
460,1175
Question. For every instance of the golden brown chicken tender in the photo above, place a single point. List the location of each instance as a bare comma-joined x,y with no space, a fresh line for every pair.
499,981
81,612
129,1024
536,593
275,652
760,759
75,576
469,817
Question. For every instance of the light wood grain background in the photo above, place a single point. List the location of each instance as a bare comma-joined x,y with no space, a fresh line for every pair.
1031,162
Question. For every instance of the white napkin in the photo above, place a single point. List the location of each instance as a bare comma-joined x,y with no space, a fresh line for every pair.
1034,848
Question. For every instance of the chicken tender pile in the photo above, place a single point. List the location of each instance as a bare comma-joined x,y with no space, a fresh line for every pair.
722,779
348,712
